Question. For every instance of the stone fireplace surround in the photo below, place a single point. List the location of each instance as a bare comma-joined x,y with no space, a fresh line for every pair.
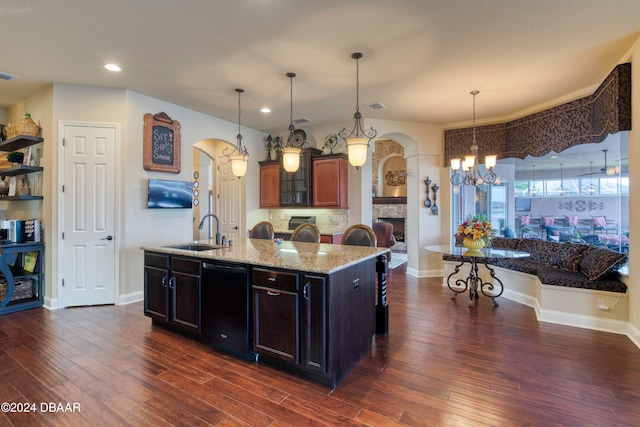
386,211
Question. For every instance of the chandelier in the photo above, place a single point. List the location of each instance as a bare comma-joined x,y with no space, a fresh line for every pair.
291,151
562,190
358,139
470,167
591,188
239,156
534,189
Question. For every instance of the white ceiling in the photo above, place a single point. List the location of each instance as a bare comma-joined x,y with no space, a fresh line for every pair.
421,57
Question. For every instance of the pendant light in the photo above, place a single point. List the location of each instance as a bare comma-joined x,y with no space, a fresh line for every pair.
358,139
470,166
561,190
591,189
534,189
291,152
239,156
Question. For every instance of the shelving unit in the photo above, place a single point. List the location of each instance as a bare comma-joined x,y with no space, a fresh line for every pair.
21,264
21,287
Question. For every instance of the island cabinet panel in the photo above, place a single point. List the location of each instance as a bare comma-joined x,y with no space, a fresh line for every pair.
269,184
276,315
173,291
314,323
330,182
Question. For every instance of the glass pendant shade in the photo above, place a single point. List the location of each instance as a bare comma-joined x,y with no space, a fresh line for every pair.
291,158
238,164
490,161
470,161
455,164
357,151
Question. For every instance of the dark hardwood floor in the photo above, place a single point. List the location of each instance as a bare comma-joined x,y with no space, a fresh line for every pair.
442,364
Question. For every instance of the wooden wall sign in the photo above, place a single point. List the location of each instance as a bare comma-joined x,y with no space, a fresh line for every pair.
161,143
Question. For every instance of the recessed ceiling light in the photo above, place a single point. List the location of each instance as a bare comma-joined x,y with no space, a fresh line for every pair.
554,157
265,110
112,67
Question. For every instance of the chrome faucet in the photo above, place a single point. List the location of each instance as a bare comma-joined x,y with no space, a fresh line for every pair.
217,226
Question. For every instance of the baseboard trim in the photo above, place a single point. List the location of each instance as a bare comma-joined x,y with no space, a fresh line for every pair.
130,298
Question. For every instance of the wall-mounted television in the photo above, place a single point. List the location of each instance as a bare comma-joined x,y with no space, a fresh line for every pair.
166,194
523,205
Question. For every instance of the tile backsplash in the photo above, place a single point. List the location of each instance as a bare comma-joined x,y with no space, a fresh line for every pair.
327,220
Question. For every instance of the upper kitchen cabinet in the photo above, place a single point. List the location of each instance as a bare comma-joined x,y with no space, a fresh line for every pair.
331,181
269,184
295,187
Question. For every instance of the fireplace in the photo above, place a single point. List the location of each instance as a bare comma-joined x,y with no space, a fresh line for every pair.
398,227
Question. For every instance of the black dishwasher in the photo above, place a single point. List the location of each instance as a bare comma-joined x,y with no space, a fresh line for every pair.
225,307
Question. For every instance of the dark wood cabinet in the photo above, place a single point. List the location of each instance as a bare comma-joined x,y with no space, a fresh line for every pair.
295,187
269,184
172,291
314,323
276,315
331,181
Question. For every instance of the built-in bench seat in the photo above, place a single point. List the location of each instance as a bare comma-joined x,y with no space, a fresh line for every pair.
565,282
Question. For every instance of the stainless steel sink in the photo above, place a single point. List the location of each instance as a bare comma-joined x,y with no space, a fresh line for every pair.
195,247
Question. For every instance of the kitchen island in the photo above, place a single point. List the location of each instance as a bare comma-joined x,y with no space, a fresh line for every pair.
304,307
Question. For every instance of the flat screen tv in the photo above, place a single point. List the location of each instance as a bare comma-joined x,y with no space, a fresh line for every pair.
523,205
166,194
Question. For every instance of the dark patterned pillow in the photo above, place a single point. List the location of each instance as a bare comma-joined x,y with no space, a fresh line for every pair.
597,263
569,255
505,243
539,250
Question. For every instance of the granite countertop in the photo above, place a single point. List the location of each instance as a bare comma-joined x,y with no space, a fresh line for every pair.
320,258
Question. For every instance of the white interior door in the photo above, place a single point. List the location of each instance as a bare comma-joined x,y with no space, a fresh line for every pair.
88,215
228,200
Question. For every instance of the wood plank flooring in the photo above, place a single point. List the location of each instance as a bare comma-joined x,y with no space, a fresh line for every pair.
442,364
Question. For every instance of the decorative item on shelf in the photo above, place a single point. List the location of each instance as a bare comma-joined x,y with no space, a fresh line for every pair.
292,150
434,206
269,147
471,168
4,187
16,157
239,156
277,147
562,190
534,189
3,133
358,139
330,142
24,189
25,126
427,202
476,233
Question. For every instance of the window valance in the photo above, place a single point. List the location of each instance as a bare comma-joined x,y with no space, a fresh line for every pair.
583,121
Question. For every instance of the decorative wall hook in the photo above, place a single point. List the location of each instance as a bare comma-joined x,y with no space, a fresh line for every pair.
427,202
434,207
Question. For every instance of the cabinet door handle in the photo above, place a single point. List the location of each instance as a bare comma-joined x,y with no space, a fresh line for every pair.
271,279
305,291
164,281
172,282
273,294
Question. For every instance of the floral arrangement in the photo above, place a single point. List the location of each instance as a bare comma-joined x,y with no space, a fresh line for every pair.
476,229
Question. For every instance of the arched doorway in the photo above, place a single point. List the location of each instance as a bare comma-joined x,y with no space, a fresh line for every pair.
219,193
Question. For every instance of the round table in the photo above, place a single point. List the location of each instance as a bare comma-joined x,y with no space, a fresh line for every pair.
473,282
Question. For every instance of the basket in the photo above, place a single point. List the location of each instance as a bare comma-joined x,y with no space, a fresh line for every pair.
24,126
22,289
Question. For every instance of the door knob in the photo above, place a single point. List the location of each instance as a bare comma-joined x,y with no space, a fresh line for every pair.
107,238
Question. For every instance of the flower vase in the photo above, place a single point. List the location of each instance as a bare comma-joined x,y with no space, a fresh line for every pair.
473,244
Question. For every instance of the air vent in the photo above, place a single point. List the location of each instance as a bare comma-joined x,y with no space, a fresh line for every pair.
376,106
7,76
301,120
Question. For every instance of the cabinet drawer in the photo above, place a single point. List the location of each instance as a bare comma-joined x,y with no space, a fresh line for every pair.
185,265
156,260
275,279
